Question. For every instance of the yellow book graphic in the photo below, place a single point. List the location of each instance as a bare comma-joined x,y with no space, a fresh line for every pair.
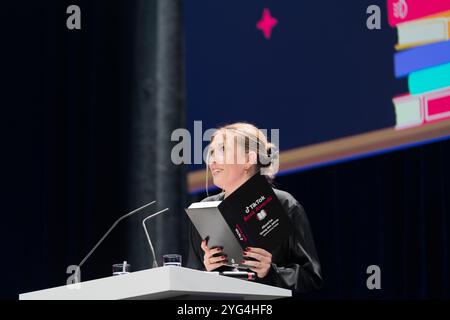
419,32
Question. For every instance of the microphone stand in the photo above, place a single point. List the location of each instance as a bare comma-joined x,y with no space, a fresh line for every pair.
111,228
155,263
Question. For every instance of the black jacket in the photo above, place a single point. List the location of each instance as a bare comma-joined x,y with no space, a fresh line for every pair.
295,264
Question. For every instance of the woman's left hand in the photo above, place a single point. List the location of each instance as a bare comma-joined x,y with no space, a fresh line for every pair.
263,260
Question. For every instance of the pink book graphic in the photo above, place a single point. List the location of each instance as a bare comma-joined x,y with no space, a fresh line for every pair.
406,10
415,110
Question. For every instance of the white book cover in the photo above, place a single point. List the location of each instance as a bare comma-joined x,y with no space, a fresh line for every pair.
423,31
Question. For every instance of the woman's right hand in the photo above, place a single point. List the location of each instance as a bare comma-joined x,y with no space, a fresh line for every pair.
209,260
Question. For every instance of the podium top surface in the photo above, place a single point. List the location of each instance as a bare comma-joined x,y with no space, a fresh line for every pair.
161,283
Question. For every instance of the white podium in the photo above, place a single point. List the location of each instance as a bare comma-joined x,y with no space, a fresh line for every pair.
162,283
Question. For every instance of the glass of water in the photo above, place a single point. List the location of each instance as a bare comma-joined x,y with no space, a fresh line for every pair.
172,260
121,268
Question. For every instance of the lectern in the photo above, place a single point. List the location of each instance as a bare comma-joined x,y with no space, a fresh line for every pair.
169,282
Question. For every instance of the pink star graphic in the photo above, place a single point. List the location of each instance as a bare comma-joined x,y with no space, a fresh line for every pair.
266,23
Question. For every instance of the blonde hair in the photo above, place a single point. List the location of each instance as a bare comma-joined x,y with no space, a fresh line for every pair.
254,140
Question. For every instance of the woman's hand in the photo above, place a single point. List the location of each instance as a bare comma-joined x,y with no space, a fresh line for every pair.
209,260
263,260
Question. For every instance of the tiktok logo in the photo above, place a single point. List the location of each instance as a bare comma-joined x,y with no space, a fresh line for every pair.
400,9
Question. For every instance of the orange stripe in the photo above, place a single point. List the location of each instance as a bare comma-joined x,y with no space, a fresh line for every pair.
344,147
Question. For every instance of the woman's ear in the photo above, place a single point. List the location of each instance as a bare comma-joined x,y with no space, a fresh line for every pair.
252,158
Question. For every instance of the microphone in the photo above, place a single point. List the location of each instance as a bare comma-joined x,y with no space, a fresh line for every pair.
110,229
152,250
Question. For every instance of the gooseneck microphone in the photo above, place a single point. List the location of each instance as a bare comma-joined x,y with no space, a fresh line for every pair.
112,227
155,263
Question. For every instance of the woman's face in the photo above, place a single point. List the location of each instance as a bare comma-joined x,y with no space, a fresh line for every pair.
228,163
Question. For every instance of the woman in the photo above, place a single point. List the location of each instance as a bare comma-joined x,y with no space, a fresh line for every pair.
236,153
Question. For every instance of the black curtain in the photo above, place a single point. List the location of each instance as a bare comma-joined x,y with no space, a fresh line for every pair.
391,210
87,137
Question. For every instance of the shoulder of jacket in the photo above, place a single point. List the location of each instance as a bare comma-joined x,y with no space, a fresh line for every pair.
288,201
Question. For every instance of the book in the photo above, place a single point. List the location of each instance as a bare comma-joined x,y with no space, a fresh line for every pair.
421,32
415,110
251,216
429,79
419,58
406,10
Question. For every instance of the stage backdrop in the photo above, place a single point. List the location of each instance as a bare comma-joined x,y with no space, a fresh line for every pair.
312,69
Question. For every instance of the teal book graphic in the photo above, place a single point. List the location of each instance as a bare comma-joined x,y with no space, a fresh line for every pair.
429,79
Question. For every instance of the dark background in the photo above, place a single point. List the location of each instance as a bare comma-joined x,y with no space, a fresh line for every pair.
64,140
69,130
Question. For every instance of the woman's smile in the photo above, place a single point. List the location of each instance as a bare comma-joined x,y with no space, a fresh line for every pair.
215,170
